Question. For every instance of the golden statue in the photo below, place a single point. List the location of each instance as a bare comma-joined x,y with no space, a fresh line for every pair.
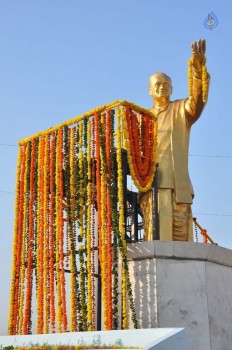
175,118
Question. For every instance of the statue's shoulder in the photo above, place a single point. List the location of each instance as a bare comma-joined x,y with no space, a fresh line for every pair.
178,101
177,104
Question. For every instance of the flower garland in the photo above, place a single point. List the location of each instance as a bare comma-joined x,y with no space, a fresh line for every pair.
12,314
142,154
67,197
18,245
82,225
114,210
24,241
69,188
108,141
82,323
40,237
46,285
59,231
52,213
61,237
81,187
98,182
88,232
126,284
104,223
190,78
204,80
90,113
27,312
121,215
72,235
78,216
93,216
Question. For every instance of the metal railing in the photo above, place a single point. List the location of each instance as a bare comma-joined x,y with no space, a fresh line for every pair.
206,237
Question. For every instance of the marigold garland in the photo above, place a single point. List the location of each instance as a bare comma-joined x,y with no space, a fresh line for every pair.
59,227
205,83
61,239
18,245
52,213
90,113
83,313
121,214
109,219
27,312
69,188
40,238
98,182
12,314
104,223
141,155
24,242
72,235
204,80
46,237
115,232
93,216
81,195
88,231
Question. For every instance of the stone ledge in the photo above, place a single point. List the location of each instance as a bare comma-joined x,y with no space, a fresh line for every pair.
141,250
179,250
147,339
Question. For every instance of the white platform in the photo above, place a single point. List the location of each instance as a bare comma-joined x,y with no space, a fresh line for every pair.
149,339
182,284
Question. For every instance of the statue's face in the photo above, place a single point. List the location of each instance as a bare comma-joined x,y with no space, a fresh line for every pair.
160,86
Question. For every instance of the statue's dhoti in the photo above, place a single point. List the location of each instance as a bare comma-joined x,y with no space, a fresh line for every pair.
175,219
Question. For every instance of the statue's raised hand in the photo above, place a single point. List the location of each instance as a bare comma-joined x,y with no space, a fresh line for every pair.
198,53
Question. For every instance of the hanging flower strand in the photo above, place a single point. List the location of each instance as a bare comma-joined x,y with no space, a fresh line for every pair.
204,80
141,163
109,219
52,213
46,237
40,237
24,240
12,313
27,319
121,213
88,232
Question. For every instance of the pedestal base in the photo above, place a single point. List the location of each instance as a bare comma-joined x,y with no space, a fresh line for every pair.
147,339
182,284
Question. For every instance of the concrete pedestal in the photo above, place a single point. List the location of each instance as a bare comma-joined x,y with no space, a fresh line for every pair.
147,339
182,284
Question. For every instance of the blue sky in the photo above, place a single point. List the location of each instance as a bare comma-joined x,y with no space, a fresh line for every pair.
61,58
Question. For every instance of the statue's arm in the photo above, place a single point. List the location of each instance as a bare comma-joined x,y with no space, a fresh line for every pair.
194,104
